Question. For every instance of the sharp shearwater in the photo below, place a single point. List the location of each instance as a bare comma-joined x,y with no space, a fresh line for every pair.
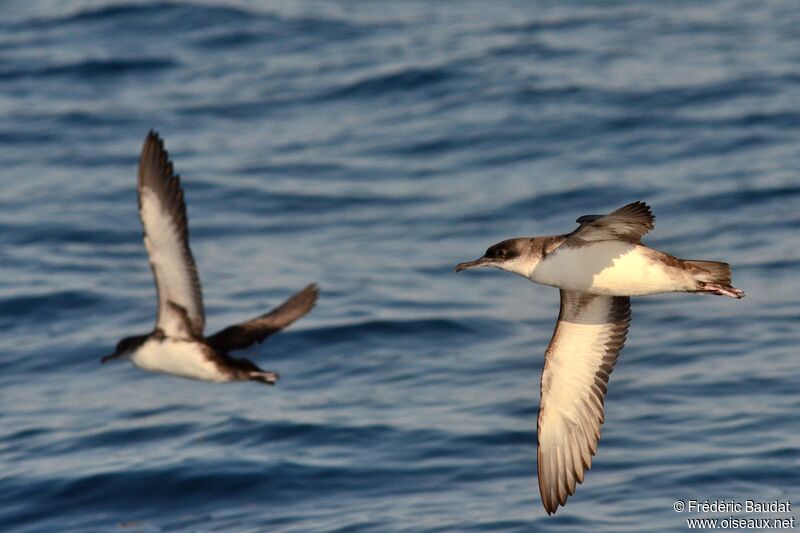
597,268
176,345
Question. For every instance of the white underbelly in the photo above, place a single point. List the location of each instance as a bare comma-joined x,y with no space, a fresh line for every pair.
178,358
615,268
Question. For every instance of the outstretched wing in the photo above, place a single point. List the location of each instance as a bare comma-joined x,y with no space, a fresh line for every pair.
256,330
589,334
628,223
166,237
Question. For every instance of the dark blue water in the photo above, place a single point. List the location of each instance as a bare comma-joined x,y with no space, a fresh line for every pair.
370,146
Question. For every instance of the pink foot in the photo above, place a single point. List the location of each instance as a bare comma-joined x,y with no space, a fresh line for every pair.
722,290
270,378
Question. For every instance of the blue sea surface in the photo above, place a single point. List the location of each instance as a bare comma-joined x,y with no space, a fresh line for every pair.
369,147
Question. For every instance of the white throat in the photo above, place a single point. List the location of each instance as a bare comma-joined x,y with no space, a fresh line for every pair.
523,265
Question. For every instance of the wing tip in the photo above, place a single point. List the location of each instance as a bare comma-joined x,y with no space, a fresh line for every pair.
639,208
638,211
157,173
556,496
311,288
307,296
154,159
153,141
295,307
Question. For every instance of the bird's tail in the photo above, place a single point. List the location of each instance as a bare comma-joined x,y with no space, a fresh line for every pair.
713,277
710,271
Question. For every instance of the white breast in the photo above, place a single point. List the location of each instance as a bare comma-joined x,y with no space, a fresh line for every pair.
179,358
615,268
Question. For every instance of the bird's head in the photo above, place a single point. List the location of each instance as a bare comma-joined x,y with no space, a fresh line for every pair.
125,348
512,255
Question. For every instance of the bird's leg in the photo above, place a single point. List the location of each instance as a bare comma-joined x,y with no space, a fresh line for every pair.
269,378
721,290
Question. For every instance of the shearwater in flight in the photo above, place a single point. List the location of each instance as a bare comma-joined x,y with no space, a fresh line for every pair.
597,268
176,345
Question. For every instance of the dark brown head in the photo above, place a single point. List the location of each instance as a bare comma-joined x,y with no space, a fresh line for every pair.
126,347
512,255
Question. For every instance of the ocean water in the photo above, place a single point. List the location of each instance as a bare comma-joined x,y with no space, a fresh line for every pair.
369,147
